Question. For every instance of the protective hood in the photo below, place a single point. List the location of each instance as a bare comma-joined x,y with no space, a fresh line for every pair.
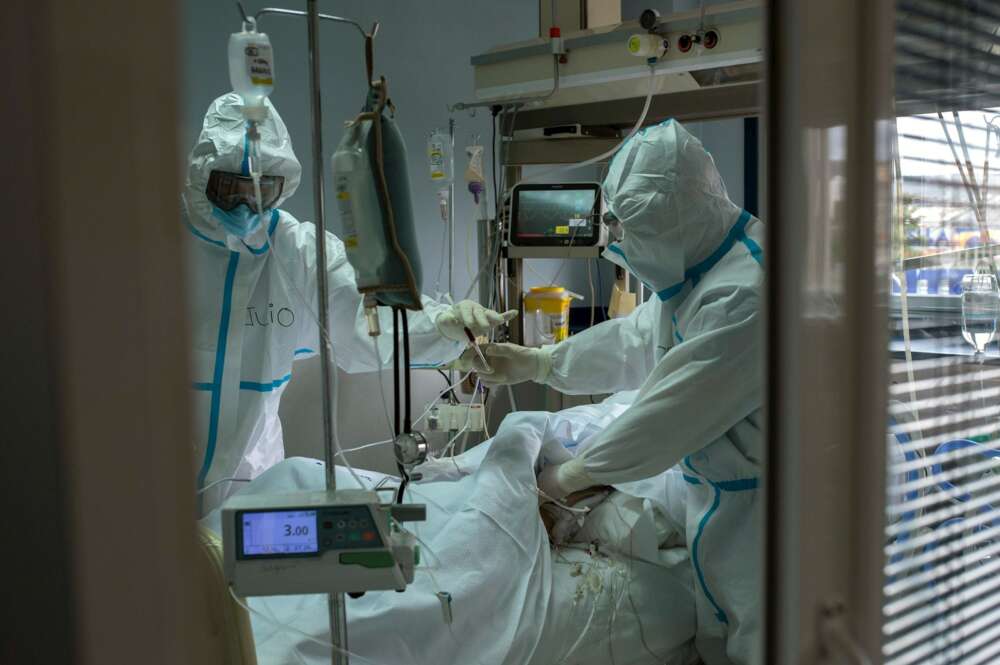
223,146
664,187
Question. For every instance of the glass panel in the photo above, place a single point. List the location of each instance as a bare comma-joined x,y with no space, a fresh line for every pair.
943,489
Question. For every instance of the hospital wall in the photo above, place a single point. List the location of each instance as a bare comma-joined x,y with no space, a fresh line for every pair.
427,66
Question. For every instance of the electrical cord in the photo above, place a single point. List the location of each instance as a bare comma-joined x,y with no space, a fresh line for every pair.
569,253
397,313
292,629
354,657
407,426
447,381
433,402
395,371
365,446
223,480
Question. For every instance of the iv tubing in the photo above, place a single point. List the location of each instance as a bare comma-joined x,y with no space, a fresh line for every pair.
605,155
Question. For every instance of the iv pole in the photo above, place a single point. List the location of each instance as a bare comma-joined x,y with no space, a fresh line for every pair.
336,604
335,601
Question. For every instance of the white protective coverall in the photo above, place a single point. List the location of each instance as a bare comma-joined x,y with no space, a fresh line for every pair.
695,351
250,319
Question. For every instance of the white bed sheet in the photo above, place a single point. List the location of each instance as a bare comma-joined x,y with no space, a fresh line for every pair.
516,600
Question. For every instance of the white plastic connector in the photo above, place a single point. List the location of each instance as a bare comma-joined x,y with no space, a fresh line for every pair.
456,417
371,315
255,113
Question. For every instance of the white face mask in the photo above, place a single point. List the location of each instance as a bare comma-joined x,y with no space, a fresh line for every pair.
647,253
616,230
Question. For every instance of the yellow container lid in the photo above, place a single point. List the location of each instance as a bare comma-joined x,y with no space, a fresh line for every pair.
548,292
553,300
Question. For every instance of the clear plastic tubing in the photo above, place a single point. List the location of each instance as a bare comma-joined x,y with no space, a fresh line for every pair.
609,153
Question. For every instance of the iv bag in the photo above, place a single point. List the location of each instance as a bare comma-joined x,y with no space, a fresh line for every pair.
373,195
980,308
440,162
251,69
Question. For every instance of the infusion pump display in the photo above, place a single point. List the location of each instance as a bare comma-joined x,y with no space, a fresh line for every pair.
563,214
282,533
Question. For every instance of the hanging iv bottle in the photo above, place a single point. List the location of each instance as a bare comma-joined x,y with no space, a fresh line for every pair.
440,160
980,308
251,69
251,73
441,164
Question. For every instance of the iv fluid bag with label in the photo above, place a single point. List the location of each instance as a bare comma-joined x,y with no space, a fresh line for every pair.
373,196
980,309
251,67
440,160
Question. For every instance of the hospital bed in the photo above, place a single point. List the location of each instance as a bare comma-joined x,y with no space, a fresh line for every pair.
616,592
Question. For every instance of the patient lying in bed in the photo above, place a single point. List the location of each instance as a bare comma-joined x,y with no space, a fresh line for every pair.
614,589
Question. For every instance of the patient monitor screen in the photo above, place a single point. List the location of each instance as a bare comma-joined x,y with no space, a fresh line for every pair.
555,214
279,532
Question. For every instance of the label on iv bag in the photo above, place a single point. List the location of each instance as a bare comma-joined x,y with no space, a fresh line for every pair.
258,63
346,206
435,158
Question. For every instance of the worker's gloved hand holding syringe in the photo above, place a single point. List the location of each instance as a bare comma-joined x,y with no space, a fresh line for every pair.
506,364
467,320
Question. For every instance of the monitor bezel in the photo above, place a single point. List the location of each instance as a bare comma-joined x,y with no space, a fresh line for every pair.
587,241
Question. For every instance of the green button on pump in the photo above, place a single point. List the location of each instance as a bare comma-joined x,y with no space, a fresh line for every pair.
368,559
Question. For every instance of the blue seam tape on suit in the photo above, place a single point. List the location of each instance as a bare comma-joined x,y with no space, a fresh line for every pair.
265,387
202,236
718,487
694,273
220,362
755,251
738,485
677,334
719,614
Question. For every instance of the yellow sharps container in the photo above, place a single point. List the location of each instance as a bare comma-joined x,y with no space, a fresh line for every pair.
546,315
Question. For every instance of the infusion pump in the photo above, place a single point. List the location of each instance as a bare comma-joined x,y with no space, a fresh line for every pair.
318,542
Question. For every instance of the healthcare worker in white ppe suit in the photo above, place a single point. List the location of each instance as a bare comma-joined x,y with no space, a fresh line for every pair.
251,317
694,352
